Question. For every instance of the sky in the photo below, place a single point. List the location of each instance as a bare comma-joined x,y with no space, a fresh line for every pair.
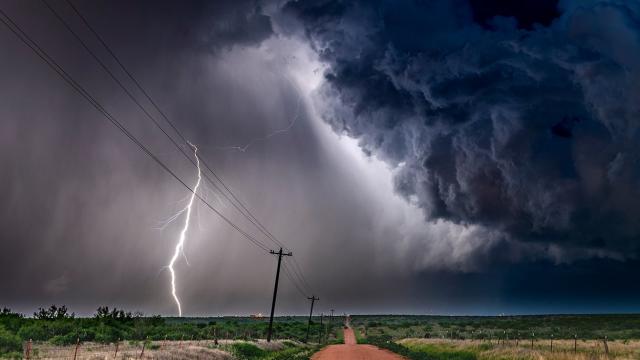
424,157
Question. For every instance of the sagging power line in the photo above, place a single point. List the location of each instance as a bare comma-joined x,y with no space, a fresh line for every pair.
44,56
231,197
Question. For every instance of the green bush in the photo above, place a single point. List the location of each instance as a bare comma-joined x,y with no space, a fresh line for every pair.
108,334
9,342
34,331
62,340
248,351
294,353
440,352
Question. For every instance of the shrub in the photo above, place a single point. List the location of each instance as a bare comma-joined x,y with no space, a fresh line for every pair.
248,351
34,331
9,342
63,340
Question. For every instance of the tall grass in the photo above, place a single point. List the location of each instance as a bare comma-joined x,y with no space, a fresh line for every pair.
562,349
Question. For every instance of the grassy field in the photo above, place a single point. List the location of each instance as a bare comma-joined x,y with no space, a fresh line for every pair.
553,337
438,349
587,327
53,333
165,350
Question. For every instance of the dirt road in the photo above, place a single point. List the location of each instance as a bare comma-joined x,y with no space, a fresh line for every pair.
351,351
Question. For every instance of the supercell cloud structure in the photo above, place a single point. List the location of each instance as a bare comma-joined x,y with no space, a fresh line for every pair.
441,156
518,119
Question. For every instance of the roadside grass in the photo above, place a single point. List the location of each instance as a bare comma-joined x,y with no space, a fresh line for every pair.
563,350
588,327
444,351
358,332
417,351
288,351
339,338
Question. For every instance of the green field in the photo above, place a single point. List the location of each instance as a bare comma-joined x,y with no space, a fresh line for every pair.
588,327
56,326
416,337
553,337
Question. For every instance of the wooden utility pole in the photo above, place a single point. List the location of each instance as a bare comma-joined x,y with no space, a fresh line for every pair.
329,330
313,300
275,289
320,329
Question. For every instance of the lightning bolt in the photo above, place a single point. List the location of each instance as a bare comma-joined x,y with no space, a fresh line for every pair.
292,122
183,234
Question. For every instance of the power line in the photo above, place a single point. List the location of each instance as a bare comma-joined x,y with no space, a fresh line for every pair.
76,86
133,98
288,274
240,205
43,55
298,269
242,208
299,279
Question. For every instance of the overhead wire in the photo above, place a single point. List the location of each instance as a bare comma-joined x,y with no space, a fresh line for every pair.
135,100
293,281
43,55
243,208
83,92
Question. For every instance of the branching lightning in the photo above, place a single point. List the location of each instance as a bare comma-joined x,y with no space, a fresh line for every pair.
183,234
292,122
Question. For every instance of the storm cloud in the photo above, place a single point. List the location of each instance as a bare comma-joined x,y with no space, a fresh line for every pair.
523,123
417,156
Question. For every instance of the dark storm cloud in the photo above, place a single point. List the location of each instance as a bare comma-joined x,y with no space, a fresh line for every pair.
240,27
518,118
81,205
478,115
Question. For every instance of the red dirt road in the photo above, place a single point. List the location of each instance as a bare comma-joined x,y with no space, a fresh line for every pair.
351,351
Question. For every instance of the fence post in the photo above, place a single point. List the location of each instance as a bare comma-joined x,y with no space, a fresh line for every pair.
575,343
606,347
533,335
75,353
28,350
115,355
551,342
144,343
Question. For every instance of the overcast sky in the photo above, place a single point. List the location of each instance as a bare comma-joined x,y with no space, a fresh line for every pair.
449,157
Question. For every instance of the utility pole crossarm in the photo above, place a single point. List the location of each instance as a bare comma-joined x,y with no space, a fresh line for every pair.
280,253
275,289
